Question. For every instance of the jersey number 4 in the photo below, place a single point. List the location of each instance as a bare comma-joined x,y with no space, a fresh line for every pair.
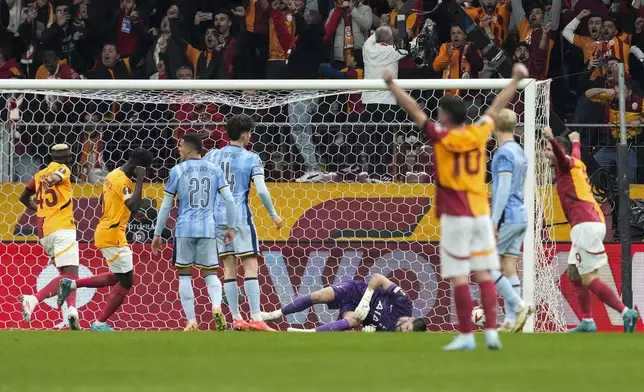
230,177
199,194
42,194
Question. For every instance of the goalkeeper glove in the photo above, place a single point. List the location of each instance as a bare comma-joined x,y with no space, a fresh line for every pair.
363,308
369,328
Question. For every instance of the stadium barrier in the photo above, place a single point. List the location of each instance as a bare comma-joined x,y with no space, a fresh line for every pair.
287,268
328,238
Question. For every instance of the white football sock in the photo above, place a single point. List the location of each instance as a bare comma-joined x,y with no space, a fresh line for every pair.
214,290
187,296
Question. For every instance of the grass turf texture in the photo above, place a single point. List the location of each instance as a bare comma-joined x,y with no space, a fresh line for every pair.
237,361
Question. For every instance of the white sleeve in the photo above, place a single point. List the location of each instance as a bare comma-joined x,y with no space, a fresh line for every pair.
569,31
637,52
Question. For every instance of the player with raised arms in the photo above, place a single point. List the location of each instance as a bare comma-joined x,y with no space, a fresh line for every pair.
586,219
509,169
54,208
195,183
467,236
240,167
120,198
381,304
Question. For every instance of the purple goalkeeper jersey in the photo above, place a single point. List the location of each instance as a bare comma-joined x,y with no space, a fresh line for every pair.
386,306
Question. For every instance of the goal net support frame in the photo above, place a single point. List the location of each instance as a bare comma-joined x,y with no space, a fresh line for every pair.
532,96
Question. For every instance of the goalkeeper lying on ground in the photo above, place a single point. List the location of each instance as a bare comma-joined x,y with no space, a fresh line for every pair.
381,304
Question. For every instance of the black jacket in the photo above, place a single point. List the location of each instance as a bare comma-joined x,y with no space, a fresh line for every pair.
308,51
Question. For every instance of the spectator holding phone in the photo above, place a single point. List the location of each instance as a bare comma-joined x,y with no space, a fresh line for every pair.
65,39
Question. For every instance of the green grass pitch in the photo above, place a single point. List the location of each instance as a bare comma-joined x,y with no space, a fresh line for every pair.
238,361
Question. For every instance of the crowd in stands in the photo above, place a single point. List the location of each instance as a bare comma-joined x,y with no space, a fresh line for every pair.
355,137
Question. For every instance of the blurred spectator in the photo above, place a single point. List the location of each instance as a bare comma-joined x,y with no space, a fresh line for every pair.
379,54
113,66
534,56
210,63
124,27
92,169
407,68
357,17
65,39
493,18
531,29
606,156
38,16
459,59
255,42
52,68
165,56
9,67
281,35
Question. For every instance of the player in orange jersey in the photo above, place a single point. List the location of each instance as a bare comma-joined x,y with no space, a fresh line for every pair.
467,235
121,197
56,227
586,219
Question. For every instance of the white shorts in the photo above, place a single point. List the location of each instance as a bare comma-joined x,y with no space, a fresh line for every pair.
198,252
244,244
587,251
119,259
61,245
467,244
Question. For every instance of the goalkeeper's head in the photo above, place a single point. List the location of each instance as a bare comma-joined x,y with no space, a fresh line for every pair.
239,128
411,324
61,153
505,125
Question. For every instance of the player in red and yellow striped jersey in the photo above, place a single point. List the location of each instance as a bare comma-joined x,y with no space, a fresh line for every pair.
492,17
56,227
467,235
586,219
121,197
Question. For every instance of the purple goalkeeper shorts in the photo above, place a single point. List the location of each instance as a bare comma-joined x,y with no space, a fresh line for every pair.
347,295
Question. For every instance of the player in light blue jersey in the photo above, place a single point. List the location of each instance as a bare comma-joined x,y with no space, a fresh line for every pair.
240,168
509,168
195,183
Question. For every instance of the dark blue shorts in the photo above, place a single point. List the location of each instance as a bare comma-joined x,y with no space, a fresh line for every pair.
347,295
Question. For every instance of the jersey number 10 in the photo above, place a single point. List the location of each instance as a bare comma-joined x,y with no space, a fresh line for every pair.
463,161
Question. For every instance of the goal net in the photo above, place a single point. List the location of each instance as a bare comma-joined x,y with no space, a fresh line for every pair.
351,176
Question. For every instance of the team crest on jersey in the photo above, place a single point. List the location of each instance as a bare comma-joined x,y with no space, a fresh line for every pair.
289,17
127,191
634,106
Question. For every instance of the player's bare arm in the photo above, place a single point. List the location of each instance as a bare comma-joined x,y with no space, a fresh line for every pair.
593,92
134,203
519,72
26,198
405,100
576,145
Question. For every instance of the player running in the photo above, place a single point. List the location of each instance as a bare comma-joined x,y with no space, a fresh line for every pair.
586,219
509,169
240,167
380,303
467,237
121,197
56,227
195,182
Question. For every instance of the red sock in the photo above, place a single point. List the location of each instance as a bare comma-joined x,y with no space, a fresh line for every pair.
488,302
606,295
583,296
115,299
50,289
463,302
102,280
71,298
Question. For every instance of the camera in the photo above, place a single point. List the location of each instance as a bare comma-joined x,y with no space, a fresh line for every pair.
424,51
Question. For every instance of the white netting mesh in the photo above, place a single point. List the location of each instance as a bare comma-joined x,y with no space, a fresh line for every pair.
352,181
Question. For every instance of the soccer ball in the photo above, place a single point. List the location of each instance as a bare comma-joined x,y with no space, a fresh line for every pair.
478,316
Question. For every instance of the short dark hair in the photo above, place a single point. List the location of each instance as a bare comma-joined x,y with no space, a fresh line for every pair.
193,140
111,43
419,325
537,5
454,107
141,157
237,125
564,143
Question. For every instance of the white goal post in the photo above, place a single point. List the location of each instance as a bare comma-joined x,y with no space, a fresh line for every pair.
539,284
